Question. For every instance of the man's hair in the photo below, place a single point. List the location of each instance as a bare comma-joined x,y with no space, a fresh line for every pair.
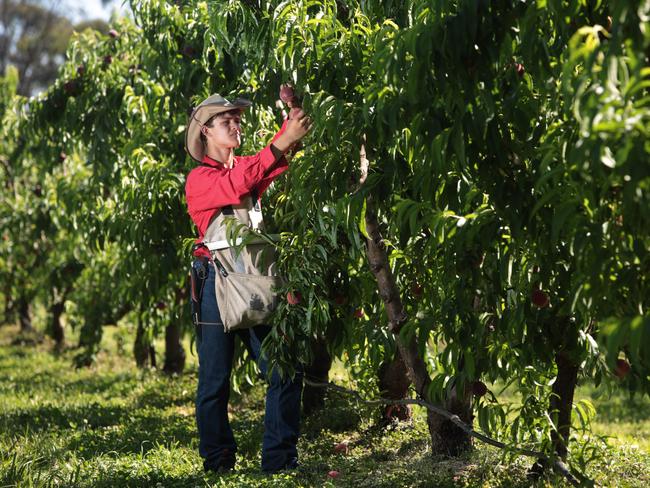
208,123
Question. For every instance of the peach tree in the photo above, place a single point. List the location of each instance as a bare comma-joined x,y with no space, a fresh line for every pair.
473,195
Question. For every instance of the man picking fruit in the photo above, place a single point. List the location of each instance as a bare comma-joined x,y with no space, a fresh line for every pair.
221,182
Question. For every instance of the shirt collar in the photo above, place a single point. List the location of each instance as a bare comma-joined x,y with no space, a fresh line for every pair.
217,164
212,162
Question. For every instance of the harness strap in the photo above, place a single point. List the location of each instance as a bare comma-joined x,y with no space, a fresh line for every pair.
224,244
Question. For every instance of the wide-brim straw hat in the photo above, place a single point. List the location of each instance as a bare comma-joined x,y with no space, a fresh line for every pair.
209,107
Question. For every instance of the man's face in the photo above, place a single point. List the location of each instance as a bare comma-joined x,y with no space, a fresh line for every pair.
225,131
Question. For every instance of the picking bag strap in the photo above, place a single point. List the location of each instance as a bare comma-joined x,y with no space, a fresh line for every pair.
223,244
227,210
256,202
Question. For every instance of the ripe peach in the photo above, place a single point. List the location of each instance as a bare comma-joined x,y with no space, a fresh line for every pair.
479,388
417,290
342,448
539,298
286,93
622,368
294,297
519,68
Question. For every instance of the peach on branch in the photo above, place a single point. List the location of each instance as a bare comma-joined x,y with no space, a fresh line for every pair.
622,368
539,298
479,388
294,297
286,93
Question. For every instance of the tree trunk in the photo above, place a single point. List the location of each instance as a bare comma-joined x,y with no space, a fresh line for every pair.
24,316
9,314
313,397
446,438
56,328
394,384
90,337
141,347
561,402
174,352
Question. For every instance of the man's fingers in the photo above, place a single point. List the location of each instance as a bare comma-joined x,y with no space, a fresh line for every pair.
307,127
299,114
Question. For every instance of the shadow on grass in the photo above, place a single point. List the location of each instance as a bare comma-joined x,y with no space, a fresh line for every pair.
50,417
622,407
143,430
415,466
162,395
247,478
48,382
147,480
116,383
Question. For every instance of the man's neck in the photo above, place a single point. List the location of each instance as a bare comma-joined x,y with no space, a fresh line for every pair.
222,155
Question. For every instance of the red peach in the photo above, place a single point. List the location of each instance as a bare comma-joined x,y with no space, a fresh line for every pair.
188,51
519,68
70,87
417,290
286,93
622,368
293,298
479,389
539,298
342,448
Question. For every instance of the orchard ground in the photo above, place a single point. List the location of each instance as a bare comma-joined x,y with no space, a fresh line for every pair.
112,425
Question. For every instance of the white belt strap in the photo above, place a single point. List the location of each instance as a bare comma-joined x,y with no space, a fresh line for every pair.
224,244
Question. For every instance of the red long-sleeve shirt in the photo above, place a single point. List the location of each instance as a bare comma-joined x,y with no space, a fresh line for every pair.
209,188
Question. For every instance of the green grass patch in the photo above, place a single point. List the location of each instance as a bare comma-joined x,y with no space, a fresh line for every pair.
112,425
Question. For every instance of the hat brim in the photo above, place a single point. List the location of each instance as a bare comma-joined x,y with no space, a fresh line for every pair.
200,116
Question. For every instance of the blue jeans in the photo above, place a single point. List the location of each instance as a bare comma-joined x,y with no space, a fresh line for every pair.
282,416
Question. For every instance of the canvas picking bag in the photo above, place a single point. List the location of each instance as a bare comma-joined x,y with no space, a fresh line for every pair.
246,276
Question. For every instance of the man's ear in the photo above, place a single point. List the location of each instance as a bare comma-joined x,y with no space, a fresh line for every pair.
204,130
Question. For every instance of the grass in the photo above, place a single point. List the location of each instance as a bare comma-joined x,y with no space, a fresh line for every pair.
112,425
